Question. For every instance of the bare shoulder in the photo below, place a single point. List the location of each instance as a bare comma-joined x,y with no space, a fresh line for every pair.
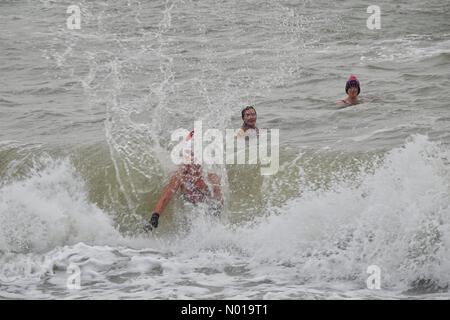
177,175
240,133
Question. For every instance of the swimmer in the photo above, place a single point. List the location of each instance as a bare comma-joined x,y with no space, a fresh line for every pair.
191,183
352,88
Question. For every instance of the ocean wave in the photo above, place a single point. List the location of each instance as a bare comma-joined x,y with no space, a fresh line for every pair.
49,208
392,213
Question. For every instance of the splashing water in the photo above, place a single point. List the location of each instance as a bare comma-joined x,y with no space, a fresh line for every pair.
394,216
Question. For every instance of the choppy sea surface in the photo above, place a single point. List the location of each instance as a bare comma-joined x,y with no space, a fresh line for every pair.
86,117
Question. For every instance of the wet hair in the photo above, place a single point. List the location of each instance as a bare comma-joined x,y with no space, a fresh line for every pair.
245,109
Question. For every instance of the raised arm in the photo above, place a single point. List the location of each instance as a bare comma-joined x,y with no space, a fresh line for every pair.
169,190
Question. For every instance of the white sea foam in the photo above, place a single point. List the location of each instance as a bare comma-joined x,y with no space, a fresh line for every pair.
50,208
395,216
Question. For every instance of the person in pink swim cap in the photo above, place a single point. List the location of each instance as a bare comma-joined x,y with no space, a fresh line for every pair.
352,88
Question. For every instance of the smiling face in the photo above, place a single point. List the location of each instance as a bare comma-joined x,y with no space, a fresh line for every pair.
250,117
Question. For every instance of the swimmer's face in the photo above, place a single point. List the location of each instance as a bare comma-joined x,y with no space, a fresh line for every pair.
352,92
250,117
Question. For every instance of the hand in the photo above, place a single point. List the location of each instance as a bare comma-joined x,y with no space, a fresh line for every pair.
153,222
